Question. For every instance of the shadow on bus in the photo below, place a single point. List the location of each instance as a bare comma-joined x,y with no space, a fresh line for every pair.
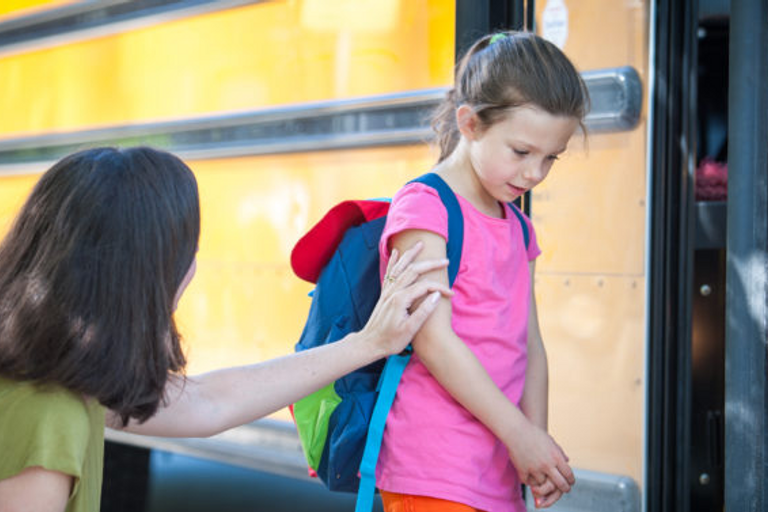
187,484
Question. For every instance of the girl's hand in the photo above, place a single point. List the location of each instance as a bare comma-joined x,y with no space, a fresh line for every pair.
546,500
541,464
405,302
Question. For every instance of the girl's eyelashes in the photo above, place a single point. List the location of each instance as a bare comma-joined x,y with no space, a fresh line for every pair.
525,152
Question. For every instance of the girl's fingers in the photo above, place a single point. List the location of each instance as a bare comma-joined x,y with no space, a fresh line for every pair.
559,480
544,489
548,500
567,472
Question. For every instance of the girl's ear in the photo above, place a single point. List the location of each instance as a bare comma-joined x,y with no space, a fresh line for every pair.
468,122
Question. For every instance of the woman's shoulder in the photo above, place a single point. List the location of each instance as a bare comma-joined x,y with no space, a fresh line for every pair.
26,401
46,426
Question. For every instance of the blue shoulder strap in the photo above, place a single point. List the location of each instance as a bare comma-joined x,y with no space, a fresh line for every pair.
455,221
523,224
395,365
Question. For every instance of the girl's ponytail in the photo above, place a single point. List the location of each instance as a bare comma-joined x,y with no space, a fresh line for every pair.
444,125
444,117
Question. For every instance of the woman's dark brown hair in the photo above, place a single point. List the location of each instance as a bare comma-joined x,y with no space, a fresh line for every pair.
89,272
507,70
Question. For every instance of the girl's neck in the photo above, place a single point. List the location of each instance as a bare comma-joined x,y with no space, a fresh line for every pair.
457,171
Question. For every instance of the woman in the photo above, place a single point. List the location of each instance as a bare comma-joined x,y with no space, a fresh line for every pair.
90,275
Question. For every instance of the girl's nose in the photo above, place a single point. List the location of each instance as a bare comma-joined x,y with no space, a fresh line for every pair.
535,172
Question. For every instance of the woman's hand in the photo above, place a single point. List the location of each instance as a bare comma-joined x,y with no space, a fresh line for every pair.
404,303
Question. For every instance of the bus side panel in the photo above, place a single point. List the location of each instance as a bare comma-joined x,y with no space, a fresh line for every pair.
13,192
590,220
252,57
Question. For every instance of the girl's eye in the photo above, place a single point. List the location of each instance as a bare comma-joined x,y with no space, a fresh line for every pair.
553,158
520,152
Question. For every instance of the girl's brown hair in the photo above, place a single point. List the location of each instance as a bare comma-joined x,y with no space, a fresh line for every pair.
507,70
89,272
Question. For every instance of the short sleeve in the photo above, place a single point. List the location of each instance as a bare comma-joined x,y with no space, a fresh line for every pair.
41,428
415,206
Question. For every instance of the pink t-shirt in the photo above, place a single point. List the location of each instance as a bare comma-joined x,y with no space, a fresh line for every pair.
432,445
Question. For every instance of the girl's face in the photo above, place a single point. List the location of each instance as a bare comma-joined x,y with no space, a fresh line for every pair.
514,155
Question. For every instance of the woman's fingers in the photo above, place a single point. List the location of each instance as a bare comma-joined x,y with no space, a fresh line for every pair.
416,270
420,315
402,271
398,263
411,293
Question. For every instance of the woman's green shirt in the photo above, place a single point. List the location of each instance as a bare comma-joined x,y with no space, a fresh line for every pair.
56,429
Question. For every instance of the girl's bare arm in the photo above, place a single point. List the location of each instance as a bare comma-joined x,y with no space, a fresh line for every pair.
535,400
535,455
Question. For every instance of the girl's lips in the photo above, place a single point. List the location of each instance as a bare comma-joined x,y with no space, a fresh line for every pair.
517,190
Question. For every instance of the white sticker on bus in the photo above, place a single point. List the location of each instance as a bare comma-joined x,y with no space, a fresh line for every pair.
554,22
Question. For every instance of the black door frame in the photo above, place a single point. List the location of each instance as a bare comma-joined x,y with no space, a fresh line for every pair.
475,18
672,160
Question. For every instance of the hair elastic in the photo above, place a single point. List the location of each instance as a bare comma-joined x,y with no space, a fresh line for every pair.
497,37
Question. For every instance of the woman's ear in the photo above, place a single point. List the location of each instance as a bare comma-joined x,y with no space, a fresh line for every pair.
468,122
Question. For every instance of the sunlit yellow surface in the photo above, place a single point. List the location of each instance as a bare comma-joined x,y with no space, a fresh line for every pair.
590,220
13,192
11,9
252,57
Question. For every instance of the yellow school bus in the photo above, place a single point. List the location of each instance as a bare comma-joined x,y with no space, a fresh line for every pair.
284,108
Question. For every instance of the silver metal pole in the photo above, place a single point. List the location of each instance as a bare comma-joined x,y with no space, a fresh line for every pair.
746,363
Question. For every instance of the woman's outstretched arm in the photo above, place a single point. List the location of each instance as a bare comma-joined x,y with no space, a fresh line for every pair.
210,403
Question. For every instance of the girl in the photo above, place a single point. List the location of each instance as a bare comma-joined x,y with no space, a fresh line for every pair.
90,275
469,423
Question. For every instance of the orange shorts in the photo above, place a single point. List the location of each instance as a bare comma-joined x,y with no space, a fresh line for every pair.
394,502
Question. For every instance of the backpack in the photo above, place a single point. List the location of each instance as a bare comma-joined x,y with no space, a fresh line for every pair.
341,426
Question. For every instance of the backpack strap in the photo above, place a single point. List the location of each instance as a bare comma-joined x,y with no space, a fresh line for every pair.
523,224
455,221
388,382
395,365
